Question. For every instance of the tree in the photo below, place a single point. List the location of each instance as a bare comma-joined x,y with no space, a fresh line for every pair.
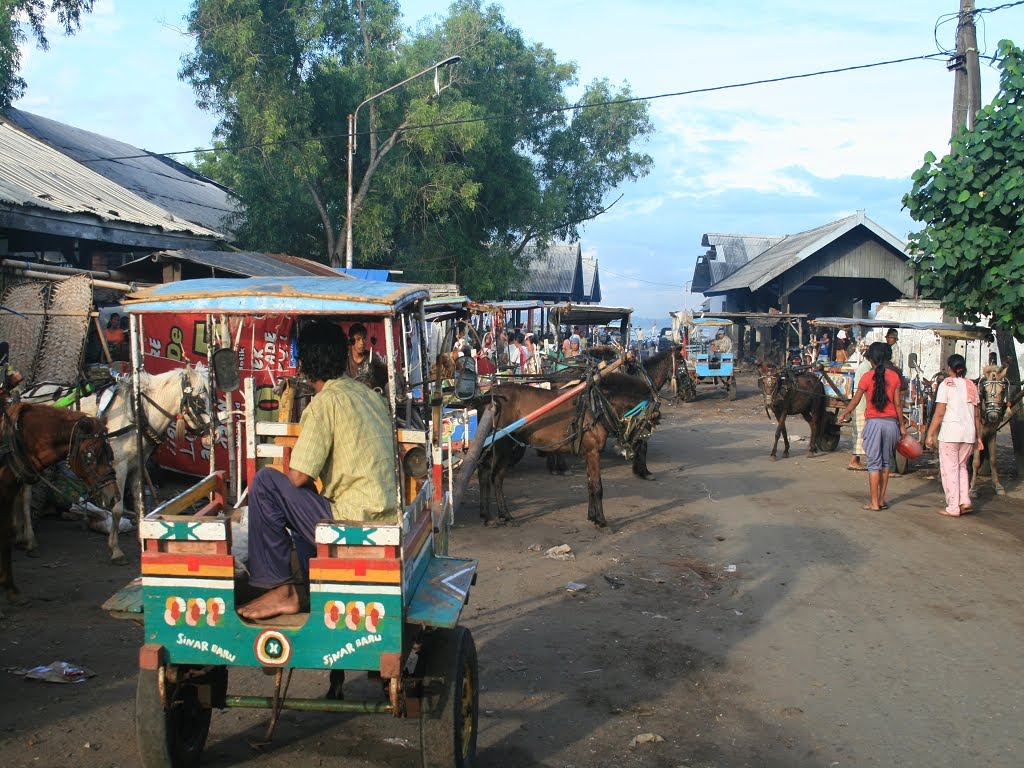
970,254
16,13
448,186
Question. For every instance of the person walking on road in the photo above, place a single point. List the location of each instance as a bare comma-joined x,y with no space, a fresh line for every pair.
957,422
857,464
884,425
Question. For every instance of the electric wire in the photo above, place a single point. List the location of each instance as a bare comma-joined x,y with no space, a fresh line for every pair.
534,113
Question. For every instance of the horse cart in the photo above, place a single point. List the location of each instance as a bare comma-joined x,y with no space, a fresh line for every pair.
926,346
704,366
384,598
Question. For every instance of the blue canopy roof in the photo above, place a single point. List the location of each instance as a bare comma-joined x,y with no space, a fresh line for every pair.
268,295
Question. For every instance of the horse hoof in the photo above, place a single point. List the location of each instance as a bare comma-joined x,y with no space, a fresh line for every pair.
16,598
34,552
490,523
648,476
1000,492
119,560
773,457
972,493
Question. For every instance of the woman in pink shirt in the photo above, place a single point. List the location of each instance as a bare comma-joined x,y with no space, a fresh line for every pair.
957,422
883,419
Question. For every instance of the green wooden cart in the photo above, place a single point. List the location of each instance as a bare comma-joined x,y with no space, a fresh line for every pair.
382,598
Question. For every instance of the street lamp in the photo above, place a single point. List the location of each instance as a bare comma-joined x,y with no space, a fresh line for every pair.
352,142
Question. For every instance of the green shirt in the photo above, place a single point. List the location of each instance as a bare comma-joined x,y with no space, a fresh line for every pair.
347,440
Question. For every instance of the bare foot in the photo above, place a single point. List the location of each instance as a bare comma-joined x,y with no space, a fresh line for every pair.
949,514
966,509
279,601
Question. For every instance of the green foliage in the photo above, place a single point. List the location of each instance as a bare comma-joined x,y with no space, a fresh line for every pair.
970,253
14,16
438,191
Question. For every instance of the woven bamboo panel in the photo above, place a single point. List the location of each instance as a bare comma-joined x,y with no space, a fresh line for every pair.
24,334
60,355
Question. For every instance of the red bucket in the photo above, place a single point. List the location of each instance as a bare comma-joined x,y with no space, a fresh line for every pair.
909,446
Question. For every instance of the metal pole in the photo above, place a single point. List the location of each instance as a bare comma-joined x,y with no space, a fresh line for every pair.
135,332
348,215
352,119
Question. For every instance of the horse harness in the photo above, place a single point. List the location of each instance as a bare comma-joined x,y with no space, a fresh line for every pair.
191,406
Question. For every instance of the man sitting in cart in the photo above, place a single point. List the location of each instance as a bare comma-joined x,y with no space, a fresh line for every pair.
721,345
346,441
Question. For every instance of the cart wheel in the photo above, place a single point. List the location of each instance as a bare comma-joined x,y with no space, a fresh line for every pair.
731,384
172,738
448,718
828,440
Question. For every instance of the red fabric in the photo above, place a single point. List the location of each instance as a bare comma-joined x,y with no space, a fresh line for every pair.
892,388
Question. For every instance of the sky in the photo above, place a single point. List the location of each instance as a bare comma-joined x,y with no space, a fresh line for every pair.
770,159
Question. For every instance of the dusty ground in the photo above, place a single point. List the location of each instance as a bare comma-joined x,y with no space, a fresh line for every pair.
842,637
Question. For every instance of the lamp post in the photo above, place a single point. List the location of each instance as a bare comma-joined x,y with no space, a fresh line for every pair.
352,143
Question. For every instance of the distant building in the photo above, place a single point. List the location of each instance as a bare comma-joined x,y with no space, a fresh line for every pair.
837,269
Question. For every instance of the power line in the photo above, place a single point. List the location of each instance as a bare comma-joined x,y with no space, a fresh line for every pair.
540,112
641,280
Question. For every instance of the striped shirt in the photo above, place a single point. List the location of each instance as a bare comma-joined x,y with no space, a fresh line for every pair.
347,441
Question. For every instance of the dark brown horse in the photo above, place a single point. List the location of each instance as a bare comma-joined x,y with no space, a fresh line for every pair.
580,425
788,391
34,437
652,376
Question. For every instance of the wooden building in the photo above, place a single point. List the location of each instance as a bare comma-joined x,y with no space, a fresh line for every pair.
840,268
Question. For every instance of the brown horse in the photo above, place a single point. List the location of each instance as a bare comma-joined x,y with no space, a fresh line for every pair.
580,425
34,437
787,391
992,391
652,376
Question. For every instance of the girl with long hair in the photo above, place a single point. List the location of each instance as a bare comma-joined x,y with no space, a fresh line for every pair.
957,422
883,423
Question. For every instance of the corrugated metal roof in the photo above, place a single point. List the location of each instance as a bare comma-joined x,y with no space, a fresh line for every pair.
725,255
591,280
738,249
160,180
556,274
793,249
252,263
34,175
300,295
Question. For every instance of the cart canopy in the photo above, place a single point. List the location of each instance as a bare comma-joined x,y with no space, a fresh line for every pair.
945,330
266,295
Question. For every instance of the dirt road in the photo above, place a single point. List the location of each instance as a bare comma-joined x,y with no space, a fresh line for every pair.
840,637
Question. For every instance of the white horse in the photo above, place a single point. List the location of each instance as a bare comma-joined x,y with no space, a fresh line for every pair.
175,395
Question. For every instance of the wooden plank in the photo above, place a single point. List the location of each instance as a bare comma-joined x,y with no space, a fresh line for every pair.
355,534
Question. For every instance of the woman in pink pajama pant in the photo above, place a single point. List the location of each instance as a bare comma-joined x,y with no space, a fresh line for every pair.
958,425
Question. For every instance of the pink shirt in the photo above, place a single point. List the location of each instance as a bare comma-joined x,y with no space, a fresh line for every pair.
961,399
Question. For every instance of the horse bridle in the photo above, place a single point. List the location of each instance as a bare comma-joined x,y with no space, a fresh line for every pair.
86,457
993,398
191,406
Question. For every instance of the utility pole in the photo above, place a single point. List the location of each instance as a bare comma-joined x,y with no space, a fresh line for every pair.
966,105
966,71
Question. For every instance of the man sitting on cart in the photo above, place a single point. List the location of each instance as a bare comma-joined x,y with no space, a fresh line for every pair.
346,441
721,345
